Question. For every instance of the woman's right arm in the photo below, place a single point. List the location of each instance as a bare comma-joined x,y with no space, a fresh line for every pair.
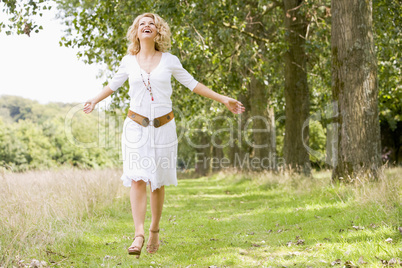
117,81
90,104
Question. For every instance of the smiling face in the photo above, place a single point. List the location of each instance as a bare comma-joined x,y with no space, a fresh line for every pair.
147,28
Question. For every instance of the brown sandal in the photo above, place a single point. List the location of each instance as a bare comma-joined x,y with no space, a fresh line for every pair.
135,250
152,248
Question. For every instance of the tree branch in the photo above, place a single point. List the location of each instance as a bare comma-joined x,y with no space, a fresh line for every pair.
313,74
202,38
293,9
234,27
219,65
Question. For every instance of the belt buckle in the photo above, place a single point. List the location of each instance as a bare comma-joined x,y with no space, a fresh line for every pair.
156,122
145,122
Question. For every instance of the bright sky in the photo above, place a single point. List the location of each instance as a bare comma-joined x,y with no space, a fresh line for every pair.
38,68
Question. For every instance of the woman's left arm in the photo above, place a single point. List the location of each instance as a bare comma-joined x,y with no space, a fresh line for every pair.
233,105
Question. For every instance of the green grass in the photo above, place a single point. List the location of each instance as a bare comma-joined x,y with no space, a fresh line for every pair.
240,220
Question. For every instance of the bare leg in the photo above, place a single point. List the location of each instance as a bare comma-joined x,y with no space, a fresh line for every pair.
138,198
157,199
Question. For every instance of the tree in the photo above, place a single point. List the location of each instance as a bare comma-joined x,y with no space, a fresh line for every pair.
355,90
296,88
261,109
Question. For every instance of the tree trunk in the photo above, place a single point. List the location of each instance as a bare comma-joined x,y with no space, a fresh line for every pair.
261,123
296,89
263,127
217,156
355,90
240,151
203,156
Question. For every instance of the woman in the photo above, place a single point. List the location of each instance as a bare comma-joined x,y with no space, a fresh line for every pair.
149,131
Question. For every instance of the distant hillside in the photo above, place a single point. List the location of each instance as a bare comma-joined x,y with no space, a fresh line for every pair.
14,108
44,136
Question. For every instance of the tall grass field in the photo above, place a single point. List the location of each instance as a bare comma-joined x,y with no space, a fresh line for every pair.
76,218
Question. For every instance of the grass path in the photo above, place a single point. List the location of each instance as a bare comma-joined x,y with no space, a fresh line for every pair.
233,221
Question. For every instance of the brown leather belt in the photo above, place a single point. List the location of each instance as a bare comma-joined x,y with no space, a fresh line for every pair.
144,121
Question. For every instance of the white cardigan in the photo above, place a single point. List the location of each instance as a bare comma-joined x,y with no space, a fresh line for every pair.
160,80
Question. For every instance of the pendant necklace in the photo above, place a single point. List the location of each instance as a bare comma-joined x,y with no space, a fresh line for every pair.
147,85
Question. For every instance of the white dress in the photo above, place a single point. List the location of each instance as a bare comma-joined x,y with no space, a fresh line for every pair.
149,153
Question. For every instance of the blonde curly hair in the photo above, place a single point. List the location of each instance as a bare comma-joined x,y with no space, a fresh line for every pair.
162,39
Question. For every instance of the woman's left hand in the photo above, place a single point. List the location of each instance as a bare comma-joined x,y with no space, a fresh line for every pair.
234,106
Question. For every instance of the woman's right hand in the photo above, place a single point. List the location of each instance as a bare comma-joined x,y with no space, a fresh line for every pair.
89,106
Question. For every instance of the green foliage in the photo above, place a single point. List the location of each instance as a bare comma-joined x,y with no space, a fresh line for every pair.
387,25
12,149
35,136
21,15
317,142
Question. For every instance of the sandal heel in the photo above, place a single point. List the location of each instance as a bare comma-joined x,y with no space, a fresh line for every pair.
135,250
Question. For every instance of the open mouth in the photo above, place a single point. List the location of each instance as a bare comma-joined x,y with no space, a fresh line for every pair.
147,31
